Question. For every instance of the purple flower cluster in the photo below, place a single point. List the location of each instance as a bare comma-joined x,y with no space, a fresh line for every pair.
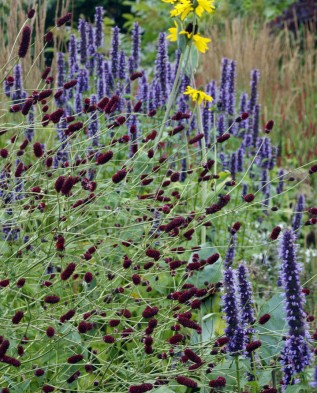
296,354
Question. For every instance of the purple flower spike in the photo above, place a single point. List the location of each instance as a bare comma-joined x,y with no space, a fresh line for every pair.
255,76
115,52
122,69
136,45
93,126
83,40
72,59
234,330
296,354
280,186
299,210
245,292
99,26
231,252
230,104
17,93
161,64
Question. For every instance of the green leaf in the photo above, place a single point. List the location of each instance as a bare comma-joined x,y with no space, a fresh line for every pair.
272,332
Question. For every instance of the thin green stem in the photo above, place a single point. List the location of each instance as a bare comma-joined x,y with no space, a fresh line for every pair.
238,373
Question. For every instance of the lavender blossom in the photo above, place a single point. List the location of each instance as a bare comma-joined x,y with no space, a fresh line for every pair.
230,104
83,81
29,132
240,158
91,50
108,79
231,252
266,186
72,58
223,96
93,126
136,46
255,124
221,128
243,108
17,92
161,65
99,27
83,40
255,75
78,104
296,354
298,213
122,67
280,186
114,54
233,165
245,292
234,330
144,92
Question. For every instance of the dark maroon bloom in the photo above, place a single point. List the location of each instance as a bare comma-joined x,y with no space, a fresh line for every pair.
177,338
15,108
27,106
114,322
176,130
25,41
195,139
264,318
313,169
45,120
45,74
4,283
248,198
269,126
119,176
31,13
17,317
145,387
73,377
48,388
275,233
175,176
45,93
149,312
39,372
137,106
50,332
120,120
243,116
11,361
223,138
67,316
70,84
49,36
59,183
222,341
176,222
190,383
109,339
75,359
19,170
104,158
38,150
64,19
4,347
192,356
112,104
58,94
217,383
4,153
88,277
151,253
136,75
67,185
68,271
136,279
51,299
20,282
188,323
212,259
152,113
103,103
56,116
269,390
253,345
75,127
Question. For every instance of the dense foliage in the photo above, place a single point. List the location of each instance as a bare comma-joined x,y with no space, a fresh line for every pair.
148,242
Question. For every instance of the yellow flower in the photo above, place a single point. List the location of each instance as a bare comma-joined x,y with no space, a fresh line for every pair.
204,5
173,33
183,8
197,95
199,41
